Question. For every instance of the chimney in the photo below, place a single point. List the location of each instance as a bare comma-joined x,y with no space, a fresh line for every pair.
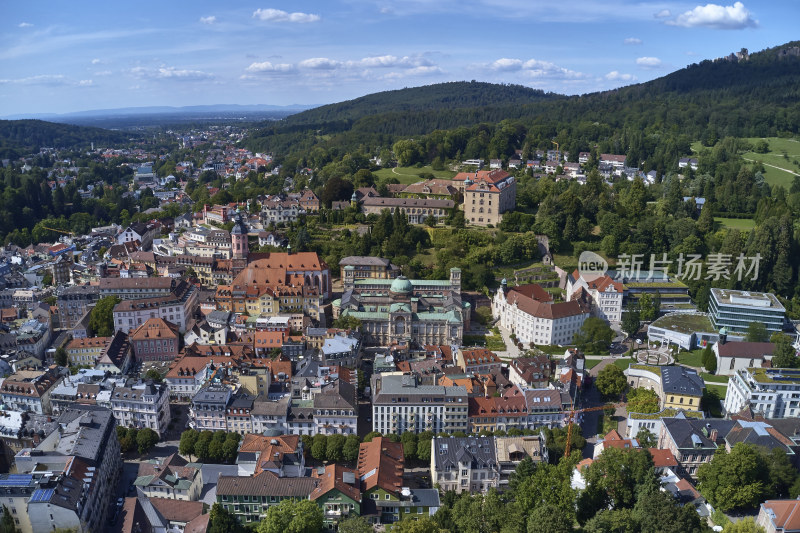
714,435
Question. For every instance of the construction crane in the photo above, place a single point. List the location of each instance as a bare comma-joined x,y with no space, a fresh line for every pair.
571,417
558,152
58,230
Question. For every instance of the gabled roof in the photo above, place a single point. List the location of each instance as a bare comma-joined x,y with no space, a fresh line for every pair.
746,350
380,464
785,514
266,484
336,477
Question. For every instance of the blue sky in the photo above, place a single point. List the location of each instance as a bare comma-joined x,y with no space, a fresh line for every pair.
57,57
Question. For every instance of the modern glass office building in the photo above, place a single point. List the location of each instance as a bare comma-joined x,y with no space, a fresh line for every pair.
734,310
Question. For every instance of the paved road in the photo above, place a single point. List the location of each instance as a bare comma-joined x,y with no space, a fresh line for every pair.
511,352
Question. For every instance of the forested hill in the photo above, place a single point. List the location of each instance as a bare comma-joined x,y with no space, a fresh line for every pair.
440,96
20,137
756,97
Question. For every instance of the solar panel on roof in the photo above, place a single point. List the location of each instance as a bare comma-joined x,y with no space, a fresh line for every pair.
42,495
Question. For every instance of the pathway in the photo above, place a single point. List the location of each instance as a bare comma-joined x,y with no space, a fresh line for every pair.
511,351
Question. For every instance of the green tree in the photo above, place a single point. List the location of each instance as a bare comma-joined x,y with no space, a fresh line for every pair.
646,438
187,442
594,336
101,319
371,435
784,355
614,479
642,400
153,374
616,521
7,524
735,480
745,525
756,332
348,322
647,312
319,447
706,355
355,524
334,447
782,475
351,448
631,318
549,518
711,364
611,381
221,521
423,525
145,439
409,440
61,356
292,516
657,511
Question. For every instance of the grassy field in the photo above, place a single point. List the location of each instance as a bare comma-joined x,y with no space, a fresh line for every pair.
623,363
742,224
786,171
411,174
719,389
714,379
591,363
784,174
693,358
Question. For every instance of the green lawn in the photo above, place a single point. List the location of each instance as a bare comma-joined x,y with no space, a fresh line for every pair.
719,389
714,379
623,363
693,358
605,424
411,174
591,363
742,224
787,169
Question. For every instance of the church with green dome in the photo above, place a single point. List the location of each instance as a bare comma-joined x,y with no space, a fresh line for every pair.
406,312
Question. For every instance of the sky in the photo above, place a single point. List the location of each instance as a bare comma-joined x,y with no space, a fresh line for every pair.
58,57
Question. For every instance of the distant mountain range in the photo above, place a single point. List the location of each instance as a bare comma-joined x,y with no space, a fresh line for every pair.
161,110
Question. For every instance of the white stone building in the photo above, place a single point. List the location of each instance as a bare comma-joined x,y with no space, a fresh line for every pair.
528,312
142,406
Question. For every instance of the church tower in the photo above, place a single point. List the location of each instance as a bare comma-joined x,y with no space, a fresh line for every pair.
239,243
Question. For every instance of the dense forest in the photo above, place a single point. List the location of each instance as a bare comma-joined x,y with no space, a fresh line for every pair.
709,101
21,137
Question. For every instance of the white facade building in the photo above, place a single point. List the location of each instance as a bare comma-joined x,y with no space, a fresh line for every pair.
142,406
529,313
770,392
400,404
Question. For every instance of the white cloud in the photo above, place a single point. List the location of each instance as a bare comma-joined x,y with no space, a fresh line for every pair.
615,75
103,73
277,15
50,80
664,13
170,73
506,64
534,68
208,20
320,63
390,61
735,17
266,66
95,61
632,40
648,62
24,25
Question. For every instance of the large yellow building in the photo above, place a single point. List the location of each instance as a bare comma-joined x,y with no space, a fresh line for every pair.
487,195
365,267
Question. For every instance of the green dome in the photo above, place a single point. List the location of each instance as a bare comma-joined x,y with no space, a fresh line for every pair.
402,285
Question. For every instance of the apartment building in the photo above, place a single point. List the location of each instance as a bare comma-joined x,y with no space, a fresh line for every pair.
464,464
29,390
155,340
401,404
143,405
770,392
136,288
86,351
176,308
73,302
208,408
83,444
368,267
173,478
